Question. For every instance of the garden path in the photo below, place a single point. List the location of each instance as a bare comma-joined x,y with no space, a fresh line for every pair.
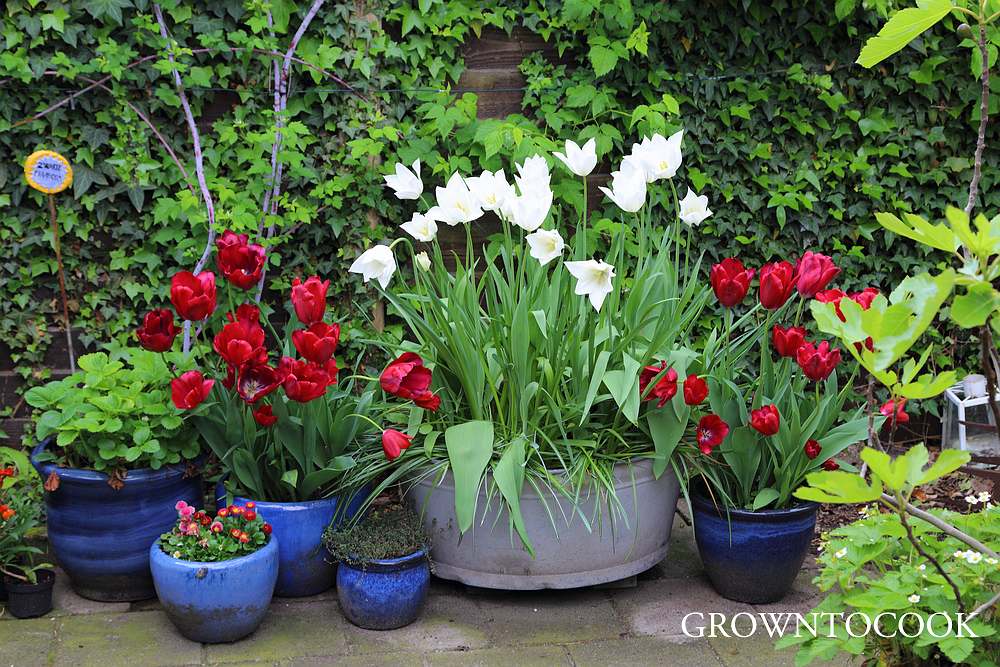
640,625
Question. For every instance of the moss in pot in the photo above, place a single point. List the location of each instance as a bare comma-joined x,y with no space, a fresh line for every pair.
384,571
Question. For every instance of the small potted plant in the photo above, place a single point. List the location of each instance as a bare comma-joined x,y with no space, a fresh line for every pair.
215,576
27,583
111,444
283,427
760,430
384,571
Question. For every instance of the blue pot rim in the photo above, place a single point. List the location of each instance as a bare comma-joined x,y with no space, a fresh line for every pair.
82,475
703,503
288,504
156,551
390,564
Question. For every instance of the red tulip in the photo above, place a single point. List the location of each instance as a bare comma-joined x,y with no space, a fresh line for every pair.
304,380
427,400
241,342
193,296
865,297
264,416
309,299
787,341
777,281
730,281
812,449
394,442
831,465
695,390
665,388
814,272
817,362
406,377
318,342
240,262
255,381
766,420
157,332
711,432
189,390
230,380
892,406
246,312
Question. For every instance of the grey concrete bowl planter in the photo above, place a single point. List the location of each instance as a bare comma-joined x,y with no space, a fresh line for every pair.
569,556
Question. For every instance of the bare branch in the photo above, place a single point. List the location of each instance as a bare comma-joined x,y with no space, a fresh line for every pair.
984,115
942,525
983,607
199,164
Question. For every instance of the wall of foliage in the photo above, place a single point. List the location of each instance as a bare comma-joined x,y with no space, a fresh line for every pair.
795,146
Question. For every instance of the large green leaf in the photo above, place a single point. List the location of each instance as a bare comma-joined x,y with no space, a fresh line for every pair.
904,26
666,428
470,447
918,229
975,306
839,487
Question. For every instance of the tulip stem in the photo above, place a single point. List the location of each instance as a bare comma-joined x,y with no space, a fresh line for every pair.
367,419
361,377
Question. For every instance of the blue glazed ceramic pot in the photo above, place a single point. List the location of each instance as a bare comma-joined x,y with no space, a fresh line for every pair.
384,594
304,567
752,556
216,602
100,536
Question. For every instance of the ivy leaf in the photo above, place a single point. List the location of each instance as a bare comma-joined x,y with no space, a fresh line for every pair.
904,26
110,8
603,59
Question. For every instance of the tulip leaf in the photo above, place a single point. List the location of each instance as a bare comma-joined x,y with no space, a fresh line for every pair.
470,447
764,498
902,28
509,476
595,382
666,428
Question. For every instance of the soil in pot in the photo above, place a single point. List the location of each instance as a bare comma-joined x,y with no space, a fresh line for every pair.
27,600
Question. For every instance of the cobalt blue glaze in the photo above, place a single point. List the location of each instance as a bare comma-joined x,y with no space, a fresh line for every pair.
752,556
384,594
216,602
100,536
304,567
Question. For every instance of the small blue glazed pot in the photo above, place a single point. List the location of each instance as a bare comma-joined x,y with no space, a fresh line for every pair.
752,556
216,602
384,594
304,567
100,536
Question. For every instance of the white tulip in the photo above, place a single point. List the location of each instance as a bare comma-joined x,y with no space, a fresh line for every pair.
529,210
422,261
593,278
581,161
406,183
491,189
628,187
545,245
377,263
421,227
659,157
456,204
694,208
532,175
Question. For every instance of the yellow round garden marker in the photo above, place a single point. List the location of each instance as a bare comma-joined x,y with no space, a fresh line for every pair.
49,172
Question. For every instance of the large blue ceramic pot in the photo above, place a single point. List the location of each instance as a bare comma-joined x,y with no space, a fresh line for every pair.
752,556
101,536
384,594
304,567
216,602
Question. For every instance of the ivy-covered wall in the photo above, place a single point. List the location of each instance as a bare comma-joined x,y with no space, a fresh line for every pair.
795,145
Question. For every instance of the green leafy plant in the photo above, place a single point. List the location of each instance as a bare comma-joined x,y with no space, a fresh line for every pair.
901,559
391,531
114,414
21,515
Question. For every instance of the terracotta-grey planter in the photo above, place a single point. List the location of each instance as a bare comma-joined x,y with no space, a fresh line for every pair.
616,545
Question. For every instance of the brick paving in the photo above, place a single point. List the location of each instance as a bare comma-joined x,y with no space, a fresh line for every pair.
640,625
